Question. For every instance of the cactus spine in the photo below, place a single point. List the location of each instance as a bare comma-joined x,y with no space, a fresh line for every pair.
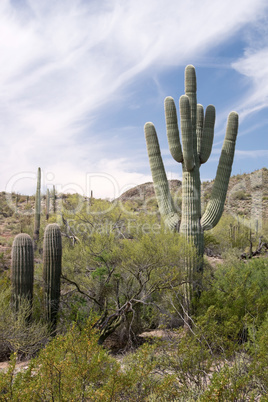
52,250
37,212
197,133
22,269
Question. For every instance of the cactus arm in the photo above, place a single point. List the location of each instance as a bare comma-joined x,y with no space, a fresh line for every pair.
173,134
190,91
199,127
215,206
187,133
165,202
208,134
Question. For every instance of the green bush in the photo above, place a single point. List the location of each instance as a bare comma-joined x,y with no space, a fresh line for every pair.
75,367
258,348
232,382
17,334
228,234
117,266
235,297
71,367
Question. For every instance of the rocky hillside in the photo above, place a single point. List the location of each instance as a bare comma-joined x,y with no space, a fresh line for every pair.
247,195
247,198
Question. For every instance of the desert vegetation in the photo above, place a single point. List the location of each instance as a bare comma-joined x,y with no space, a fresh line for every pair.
120,331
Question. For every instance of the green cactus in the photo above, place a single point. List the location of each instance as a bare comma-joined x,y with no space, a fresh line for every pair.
197,133
52,250
54,199
22,269
47,204
37,212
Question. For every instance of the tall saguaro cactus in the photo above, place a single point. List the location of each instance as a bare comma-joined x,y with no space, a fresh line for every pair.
22,269
37,212
52,250
197,133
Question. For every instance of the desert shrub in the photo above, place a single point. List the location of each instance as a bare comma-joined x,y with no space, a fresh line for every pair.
235,297
229,233
212,245
117,266
232,382
17,334
187,357
71,367
3,261
75,367
258,348
239,195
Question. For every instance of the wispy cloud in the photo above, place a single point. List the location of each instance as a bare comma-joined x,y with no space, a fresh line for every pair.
254,65
257,153
241,154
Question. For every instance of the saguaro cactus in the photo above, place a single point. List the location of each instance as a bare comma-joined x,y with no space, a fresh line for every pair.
47,204
52,250
197,133
54,199
22,269
37,212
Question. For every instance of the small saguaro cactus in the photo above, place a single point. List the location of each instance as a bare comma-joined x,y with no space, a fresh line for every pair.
22,269
52,255
197,133
47,204
54,199
37,212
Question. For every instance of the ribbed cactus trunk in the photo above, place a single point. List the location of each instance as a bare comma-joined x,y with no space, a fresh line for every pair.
191,228
52,256
197,132
37,212
22,270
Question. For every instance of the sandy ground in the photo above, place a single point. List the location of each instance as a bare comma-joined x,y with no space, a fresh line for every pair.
19,366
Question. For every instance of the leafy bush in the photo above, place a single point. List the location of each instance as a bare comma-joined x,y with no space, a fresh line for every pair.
229,233
117,267
235,297
71,367
258,348
17,334
75,367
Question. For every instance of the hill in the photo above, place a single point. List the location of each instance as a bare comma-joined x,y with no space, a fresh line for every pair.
247,195
247,199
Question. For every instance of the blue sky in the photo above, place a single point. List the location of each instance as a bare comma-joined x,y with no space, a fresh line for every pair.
79,79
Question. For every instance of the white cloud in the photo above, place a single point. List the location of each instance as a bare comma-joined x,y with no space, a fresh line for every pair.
257,153
254,66
241,154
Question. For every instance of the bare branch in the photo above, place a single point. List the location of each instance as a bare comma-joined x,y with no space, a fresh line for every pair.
79,290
